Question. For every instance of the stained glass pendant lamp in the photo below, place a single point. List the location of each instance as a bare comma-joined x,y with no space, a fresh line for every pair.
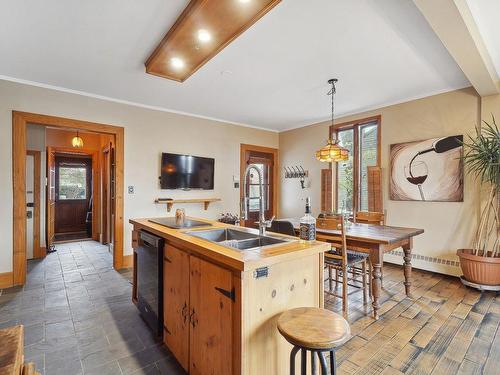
332,151
77,141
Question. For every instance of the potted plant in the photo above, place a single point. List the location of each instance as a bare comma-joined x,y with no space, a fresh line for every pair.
481,264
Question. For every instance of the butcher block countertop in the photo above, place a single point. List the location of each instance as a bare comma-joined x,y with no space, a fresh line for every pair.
238,260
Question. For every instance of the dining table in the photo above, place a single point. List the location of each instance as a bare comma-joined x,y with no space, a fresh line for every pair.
374,240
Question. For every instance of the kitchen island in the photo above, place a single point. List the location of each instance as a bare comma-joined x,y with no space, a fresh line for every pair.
221,304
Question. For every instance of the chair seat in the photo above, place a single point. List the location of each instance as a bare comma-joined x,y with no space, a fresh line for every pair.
313,328
353,257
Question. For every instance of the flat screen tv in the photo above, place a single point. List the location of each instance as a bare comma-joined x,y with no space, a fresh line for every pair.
186,172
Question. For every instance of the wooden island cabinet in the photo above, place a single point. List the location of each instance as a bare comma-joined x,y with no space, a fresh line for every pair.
221,305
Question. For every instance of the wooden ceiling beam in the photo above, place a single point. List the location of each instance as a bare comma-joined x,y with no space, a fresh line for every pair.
453,23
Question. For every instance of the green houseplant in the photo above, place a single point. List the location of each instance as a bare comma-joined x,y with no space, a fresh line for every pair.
481,264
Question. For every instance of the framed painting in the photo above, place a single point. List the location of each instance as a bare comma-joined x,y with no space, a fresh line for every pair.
429,170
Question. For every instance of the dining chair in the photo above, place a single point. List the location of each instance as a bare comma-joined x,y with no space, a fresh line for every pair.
370,217
283,227
341,260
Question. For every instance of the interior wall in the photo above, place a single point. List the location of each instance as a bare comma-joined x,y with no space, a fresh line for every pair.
35,140
448,225
148,133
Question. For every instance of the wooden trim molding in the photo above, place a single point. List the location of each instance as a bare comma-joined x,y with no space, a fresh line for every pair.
6,280
19,123
356,125
128,261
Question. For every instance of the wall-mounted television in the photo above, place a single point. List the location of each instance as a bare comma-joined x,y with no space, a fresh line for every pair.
186,172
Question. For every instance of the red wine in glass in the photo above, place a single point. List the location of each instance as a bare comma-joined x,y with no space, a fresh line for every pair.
416,173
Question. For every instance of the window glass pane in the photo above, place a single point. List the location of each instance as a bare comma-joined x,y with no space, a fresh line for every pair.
254,197
72,183
368,157
254,177
345,172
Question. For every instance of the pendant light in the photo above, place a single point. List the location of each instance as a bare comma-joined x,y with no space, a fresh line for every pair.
77,141
332,151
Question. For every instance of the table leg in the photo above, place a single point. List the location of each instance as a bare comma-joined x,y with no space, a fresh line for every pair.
407,266
376,261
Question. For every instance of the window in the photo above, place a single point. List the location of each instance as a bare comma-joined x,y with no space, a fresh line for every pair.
253,185
361,138
72,183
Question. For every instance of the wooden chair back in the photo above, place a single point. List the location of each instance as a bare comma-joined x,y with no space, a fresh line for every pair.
334,222
371,217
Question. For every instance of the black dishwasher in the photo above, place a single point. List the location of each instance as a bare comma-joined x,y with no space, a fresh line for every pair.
150,280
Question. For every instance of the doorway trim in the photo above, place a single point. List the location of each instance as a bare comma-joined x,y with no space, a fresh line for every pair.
20,120
96,181
268,150
38,252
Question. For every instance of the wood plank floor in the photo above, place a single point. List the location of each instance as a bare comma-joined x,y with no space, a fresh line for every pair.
446,328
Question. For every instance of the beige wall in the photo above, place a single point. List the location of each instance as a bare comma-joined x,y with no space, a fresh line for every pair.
448,226
490,105
147,134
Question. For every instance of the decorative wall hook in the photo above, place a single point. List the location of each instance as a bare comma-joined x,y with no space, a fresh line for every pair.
297,172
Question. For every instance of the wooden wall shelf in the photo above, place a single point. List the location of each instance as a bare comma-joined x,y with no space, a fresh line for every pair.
170,202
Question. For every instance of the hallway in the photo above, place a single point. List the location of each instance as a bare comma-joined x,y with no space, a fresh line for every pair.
79,317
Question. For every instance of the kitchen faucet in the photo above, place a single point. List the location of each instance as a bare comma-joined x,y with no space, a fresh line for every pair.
263,223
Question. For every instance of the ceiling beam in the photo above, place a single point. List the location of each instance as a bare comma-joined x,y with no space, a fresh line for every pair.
453,23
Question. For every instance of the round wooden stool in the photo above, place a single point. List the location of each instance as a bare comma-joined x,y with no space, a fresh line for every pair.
315,330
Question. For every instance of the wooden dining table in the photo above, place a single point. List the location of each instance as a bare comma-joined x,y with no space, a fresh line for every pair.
374,240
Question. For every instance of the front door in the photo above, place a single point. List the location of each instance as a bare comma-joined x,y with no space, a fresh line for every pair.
73,193
266,160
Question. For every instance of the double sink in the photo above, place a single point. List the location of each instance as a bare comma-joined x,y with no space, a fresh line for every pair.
238,239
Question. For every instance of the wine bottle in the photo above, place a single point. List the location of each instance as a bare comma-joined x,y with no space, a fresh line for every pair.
307,224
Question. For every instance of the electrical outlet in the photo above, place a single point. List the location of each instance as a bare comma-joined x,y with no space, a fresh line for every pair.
131,190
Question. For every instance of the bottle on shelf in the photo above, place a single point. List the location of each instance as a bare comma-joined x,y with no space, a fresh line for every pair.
307,224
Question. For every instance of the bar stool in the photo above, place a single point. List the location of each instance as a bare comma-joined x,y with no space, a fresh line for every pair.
316,330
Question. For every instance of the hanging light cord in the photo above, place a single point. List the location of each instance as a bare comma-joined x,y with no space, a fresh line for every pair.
332,92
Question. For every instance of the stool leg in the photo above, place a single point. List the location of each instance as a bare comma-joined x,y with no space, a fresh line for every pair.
303,362
333,363
322,361
365,286
330,281
293,354
313,363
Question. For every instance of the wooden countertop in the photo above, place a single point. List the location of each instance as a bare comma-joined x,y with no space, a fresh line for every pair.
239,260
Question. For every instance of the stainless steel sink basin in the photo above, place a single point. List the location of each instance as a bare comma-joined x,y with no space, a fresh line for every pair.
237,239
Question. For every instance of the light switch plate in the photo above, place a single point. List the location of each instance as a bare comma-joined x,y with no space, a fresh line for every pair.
131,190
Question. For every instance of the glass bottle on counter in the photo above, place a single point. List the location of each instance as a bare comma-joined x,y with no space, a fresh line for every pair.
307,224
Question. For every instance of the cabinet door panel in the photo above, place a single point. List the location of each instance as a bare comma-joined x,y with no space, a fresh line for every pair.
211,322
176,303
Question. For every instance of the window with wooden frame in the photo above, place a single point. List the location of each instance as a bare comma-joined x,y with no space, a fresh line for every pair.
353,185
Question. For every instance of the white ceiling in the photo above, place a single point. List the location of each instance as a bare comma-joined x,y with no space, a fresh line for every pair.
273,76
486,14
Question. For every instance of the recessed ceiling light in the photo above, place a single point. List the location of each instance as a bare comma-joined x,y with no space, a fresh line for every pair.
204,35
177,63
244,1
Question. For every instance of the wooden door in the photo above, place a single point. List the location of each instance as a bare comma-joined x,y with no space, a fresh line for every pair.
73,192
51,196
210,344
266,160
176,303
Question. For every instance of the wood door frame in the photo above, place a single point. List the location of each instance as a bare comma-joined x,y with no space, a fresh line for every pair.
96,181
105,198
244,148
20,121
38,252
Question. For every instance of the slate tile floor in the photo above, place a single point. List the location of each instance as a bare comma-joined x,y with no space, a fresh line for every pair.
79,318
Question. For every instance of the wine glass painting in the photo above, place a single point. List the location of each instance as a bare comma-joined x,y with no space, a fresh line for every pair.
429,170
